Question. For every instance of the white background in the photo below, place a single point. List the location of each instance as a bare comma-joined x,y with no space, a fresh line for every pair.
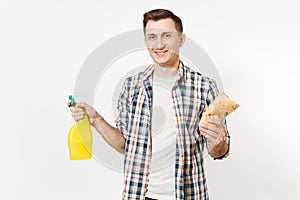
255,46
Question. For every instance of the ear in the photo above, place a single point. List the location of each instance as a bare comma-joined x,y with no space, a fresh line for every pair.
182,40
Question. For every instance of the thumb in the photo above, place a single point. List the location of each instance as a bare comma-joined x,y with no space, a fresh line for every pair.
82,105
90,111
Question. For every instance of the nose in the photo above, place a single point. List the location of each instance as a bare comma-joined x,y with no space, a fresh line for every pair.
160,44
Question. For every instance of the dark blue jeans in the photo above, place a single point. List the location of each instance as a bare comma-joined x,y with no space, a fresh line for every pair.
150,199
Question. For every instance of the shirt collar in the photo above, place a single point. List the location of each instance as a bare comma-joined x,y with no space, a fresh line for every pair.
148,73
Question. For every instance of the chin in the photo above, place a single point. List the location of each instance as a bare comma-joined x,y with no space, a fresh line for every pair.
161,61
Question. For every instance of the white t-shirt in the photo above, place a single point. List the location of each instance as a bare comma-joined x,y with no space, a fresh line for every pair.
161,183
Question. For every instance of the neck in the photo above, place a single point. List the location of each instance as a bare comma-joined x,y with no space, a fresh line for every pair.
166,71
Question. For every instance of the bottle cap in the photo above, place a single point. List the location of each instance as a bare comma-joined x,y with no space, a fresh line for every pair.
72,100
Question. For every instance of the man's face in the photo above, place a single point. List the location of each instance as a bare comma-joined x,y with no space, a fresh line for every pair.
163,41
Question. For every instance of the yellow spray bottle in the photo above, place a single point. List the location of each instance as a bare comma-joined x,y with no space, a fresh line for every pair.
80,138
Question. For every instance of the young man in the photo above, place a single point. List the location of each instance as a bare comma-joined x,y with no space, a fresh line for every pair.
158,127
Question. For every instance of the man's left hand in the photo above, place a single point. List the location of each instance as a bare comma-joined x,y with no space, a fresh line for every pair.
215,132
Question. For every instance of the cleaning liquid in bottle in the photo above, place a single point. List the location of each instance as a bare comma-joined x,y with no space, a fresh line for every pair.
80,138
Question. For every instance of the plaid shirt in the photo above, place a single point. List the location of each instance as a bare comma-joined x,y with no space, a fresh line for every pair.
190,95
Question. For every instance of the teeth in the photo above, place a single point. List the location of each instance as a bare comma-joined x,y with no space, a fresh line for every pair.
161,51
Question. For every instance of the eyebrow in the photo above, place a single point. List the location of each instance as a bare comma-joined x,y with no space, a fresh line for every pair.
163,33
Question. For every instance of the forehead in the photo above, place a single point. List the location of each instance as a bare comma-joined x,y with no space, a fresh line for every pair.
162,25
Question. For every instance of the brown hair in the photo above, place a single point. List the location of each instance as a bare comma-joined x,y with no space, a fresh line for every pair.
159,14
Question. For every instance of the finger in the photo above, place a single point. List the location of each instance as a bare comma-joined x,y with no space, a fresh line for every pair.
203,126
213,138
214,128
77,118
90,111
210,127
218,127
76,110
213,134
204,132
75,114
208,136
216,122
82,105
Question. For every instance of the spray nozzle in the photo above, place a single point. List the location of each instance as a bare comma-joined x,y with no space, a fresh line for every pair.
72,100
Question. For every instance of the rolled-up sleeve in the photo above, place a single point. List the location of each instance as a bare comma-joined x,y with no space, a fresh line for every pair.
122,110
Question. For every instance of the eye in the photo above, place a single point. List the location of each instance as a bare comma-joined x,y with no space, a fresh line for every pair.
167,36
151,37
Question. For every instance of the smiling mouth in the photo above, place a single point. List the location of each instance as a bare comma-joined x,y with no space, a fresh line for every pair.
161,52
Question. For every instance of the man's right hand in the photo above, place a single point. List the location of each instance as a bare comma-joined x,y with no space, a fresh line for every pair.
77,111
109,133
